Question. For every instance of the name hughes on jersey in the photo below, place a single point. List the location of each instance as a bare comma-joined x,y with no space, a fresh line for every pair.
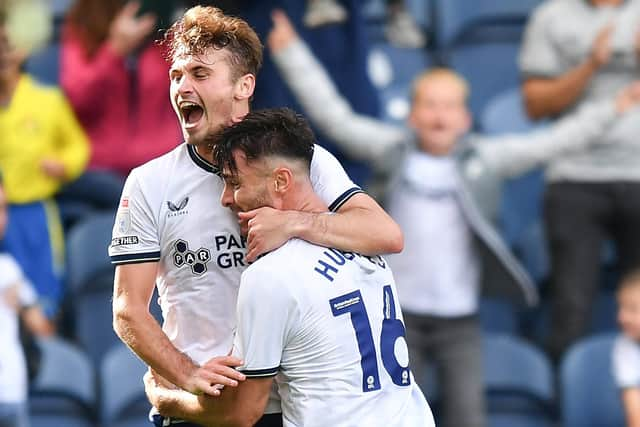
329,265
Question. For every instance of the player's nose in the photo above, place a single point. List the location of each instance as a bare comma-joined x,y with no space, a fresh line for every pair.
226,199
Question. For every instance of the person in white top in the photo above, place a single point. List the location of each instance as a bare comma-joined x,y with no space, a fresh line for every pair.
626,349
324,322
170,231
17,298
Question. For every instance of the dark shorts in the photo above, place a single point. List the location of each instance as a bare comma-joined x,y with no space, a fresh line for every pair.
269,420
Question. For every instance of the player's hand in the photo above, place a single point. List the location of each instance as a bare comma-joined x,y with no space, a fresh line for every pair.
128,31
282,34
267,229
601,48
53,168
217,372
628,98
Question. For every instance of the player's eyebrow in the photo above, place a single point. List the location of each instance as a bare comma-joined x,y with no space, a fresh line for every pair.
229,177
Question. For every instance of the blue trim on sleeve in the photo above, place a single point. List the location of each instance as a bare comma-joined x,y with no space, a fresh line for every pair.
342,199
135,258
257,373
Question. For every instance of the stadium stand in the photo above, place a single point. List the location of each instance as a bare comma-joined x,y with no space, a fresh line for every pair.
518,381
123,402
588,395
64,392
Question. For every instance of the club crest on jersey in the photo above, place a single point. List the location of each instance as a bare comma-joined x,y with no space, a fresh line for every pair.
179,209
196,260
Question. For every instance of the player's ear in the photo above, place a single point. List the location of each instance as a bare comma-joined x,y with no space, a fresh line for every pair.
282,180
244,87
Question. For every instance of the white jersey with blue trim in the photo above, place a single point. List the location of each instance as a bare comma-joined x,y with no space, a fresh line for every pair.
170,212
327,324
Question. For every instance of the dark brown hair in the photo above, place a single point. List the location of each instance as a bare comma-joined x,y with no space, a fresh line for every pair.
202,28
263,133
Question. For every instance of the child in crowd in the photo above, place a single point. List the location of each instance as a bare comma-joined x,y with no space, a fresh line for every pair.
43,147
17,299
626,350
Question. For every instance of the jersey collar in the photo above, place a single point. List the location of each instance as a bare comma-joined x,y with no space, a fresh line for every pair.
201,161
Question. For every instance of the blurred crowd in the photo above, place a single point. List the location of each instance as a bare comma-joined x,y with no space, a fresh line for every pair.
66,149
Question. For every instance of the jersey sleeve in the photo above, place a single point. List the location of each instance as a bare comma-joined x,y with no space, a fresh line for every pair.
265,314
135,232
330,181
626,363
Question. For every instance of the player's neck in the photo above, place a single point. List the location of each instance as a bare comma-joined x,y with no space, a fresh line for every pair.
304,200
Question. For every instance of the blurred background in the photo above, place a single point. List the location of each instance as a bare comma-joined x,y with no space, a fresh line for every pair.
108,88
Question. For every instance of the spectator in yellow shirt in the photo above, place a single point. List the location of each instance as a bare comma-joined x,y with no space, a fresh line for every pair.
43,147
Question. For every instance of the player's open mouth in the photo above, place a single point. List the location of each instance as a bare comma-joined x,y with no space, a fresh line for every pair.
191,113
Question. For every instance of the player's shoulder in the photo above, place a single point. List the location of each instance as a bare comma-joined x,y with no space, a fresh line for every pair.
281,264
163,166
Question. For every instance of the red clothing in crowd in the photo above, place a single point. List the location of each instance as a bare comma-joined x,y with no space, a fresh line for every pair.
124,107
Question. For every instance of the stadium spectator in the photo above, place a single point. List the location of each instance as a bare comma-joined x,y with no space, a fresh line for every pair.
43,147
592,195
626,350
346,62
444,192
17,300
171,230
306,332
400,27
115,77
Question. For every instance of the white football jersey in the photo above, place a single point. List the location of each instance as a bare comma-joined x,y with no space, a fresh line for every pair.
13,368
170,212
328,325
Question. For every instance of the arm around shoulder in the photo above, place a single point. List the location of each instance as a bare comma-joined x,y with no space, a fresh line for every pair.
360,225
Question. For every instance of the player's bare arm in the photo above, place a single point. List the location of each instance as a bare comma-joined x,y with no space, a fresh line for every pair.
360,225
238,406
134,324
631,404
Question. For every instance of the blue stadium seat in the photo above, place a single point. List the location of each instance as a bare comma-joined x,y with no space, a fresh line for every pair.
63,392
44,64
505,113
489,65
388,65
90,279
453,18
392,70
589,395
482,41
511,420
498,316
604,314
518,379
394,104
123,400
